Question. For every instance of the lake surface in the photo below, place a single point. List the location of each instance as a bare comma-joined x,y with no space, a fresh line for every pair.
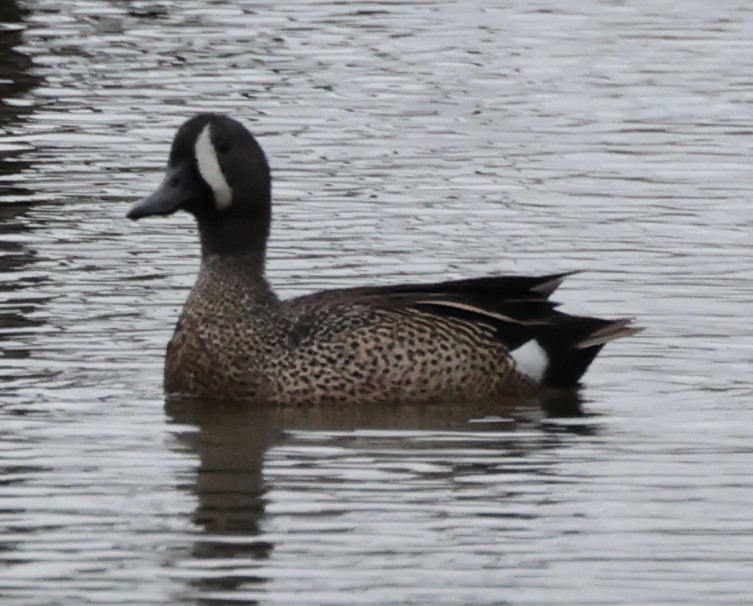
408,140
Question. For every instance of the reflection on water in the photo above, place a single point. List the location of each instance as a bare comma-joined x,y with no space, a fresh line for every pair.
19,298
229,490
409,140
316,464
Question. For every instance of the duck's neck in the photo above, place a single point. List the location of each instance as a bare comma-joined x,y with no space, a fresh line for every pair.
238,277
237,249
241,241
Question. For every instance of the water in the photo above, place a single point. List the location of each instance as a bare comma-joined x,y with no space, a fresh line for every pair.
420,140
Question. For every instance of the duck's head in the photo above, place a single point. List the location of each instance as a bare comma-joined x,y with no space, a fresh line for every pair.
217,172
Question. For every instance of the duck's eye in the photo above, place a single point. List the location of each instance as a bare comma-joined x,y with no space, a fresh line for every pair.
223,147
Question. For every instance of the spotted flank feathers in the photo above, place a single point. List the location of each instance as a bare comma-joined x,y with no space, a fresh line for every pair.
459,340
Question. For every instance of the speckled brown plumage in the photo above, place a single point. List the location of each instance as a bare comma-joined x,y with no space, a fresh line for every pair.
409,343
355,347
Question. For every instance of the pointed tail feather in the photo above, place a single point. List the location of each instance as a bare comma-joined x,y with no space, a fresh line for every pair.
613,330
551,283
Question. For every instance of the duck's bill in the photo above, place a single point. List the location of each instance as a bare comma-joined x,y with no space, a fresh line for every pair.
171,195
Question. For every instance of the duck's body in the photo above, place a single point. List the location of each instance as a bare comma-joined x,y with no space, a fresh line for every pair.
370,344
459,340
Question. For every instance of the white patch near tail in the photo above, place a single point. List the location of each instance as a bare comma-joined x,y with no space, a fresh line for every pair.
531,359
210,170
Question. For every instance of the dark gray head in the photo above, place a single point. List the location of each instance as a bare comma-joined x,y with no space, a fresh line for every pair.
217,172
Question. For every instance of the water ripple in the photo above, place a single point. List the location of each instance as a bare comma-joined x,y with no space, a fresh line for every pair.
408,140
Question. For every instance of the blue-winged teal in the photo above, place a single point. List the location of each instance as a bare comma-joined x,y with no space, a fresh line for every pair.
460,340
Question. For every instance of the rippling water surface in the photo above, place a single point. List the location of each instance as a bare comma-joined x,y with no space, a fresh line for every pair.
408,139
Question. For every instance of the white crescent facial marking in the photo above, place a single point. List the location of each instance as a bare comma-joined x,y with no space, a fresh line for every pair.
210,170
531,359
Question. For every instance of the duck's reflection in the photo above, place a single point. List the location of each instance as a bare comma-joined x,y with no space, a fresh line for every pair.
232,441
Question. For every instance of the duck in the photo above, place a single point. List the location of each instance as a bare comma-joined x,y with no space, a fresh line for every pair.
462,340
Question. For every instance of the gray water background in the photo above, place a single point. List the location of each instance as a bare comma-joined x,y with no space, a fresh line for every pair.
409,141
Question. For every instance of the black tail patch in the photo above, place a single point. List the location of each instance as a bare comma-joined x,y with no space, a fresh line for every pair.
573,342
